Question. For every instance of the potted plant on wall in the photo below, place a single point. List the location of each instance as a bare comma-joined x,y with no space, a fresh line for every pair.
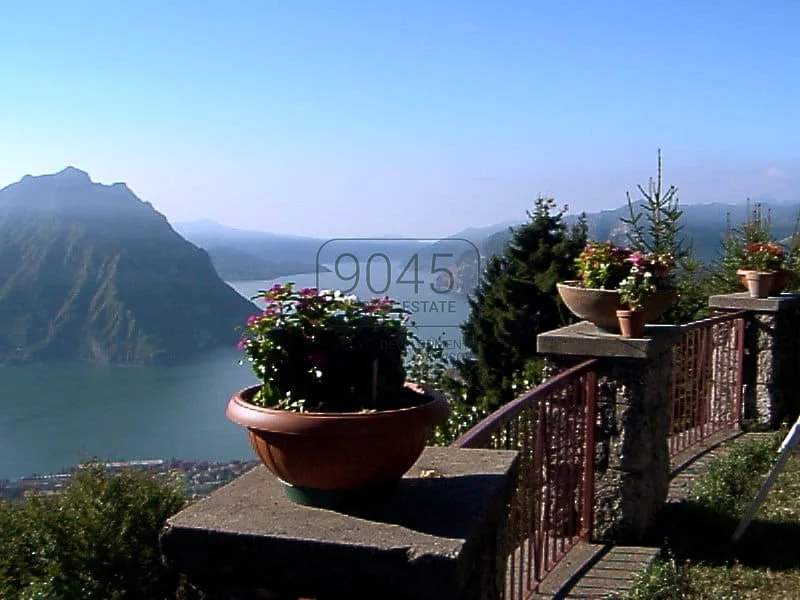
612,278
653,228
741,245
333,417
634,291
761,262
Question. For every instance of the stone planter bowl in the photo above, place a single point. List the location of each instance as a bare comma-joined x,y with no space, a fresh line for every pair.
600,306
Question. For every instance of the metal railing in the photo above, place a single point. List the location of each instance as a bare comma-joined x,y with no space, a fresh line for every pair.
552,428
706,380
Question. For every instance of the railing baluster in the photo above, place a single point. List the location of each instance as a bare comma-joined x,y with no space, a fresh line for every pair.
706,380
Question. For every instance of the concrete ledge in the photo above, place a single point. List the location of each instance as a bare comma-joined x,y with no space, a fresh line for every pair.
743,301
585,340
429,541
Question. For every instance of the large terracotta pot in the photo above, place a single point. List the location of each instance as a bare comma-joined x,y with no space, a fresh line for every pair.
780,282
315,453
600,306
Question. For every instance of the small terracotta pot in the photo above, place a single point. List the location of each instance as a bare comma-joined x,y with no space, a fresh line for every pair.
759,284
339,451
780,282
631,323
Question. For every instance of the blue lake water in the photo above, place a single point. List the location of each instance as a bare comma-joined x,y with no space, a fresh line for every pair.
54,416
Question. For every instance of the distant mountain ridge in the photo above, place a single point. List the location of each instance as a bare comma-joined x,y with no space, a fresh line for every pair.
703,224
90,272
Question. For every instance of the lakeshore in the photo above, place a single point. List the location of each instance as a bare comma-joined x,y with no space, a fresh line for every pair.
200,478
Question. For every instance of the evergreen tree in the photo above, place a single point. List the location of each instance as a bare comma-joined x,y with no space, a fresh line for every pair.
654,225
517,299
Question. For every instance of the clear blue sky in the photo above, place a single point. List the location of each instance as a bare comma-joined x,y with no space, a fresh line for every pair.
411,117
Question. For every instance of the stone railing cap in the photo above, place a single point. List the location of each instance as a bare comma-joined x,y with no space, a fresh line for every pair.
585,340
418,542
743,301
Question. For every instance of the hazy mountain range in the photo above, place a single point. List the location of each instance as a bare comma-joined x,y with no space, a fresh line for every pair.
90,272
704,225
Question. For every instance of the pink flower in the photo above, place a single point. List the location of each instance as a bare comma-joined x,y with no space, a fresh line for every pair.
252,320
242,344
306,292
636,258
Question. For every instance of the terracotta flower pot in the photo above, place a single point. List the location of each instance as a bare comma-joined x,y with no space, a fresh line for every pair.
780,282
329,459
600,306
759,284
631,323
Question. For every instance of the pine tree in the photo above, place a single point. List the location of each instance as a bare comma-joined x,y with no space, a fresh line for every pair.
517,299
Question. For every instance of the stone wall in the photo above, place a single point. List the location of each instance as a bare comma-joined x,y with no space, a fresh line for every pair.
631,455
772,356
632,422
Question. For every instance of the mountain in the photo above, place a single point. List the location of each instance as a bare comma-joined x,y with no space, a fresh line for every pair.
90,272
704,225
286,253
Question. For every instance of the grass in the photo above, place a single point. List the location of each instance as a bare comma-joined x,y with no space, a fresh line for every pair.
699,561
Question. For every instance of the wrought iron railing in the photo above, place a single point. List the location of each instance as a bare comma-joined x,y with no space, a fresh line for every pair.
552,428
706,380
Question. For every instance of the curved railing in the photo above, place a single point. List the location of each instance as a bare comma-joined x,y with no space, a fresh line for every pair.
707,380
552,428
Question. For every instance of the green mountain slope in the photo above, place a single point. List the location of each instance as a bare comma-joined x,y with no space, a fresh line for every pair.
90,272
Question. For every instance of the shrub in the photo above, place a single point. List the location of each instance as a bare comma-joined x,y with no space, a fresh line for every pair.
96,541
732,480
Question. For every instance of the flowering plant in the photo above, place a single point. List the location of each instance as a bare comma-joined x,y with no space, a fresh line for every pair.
763,256
602,265
321,351
633,273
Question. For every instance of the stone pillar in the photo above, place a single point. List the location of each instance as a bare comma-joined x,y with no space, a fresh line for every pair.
772,355
633,419
442,536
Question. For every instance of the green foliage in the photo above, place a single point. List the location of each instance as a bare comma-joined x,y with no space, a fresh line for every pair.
763,257
660,233
429,365
757,229
699,562
517,299
603,265
694,285
732,480
96,541
322,351
655,225
664,579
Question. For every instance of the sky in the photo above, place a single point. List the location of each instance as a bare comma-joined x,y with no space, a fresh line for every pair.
401,117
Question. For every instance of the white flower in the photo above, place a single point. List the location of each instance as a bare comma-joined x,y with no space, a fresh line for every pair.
350,298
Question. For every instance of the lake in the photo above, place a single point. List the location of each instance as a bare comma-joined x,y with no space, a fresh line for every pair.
53,416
